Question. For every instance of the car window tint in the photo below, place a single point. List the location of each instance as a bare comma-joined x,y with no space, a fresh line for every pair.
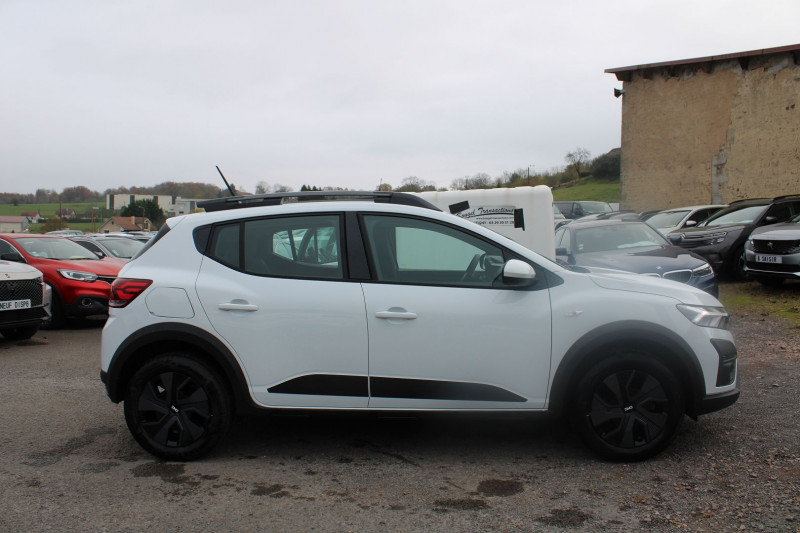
225,247
6,248
300,247
782,212
408,250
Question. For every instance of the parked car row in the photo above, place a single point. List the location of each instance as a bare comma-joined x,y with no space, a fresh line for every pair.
75,273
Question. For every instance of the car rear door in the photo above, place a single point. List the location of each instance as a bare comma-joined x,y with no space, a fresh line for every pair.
274,288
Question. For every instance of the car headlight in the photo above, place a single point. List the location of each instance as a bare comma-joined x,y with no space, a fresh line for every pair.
707,317
703,270
78,275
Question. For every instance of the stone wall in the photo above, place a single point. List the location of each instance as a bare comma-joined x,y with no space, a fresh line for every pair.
711,133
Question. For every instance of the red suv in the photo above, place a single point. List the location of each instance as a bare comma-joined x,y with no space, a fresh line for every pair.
80,281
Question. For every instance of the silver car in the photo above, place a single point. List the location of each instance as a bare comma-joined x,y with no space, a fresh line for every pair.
772,253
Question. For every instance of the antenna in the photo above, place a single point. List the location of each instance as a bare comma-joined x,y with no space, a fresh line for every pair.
228,185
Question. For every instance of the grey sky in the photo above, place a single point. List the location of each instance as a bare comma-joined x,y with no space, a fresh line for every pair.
333,93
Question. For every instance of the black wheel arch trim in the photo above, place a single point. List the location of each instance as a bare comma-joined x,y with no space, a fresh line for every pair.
174,335
628,335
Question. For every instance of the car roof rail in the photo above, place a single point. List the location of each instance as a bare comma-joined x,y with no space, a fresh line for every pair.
750,200
259,200
787,196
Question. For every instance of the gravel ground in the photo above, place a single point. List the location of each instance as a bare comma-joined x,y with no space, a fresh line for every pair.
69,464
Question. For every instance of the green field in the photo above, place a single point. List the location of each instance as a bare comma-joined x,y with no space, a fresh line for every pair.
47,210
754,299
600,191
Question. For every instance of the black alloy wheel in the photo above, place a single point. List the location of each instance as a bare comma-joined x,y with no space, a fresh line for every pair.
629,407
177,408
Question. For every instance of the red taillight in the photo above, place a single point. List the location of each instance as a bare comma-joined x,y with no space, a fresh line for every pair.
124,290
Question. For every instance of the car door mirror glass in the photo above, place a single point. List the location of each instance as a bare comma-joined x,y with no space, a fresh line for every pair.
519,273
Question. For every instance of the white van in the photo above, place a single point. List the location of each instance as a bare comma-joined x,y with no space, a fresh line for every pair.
523,214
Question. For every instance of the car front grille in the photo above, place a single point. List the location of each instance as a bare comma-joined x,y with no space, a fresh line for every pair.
27,289
678,275
773,267
693,240
776,247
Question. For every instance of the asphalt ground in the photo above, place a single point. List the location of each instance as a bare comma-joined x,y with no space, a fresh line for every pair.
68,463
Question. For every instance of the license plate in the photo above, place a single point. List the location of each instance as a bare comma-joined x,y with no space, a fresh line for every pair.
15,304
768,258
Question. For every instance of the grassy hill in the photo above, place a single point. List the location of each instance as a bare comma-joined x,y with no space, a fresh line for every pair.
600,191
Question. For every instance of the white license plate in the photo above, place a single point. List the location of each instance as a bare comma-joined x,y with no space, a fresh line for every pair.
768,258
15,304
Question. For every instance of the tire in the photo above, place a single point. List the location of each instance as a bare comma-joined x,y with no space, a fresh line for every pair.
177,408
770,282
57,318
19,334
736,270
629,407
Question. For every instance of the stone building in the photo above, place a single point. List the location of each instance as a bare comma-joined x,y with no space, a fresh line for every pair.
710,130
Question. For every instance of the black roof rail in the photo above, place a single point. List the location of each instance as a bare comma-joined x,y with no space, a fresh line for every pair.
259,200
750,200
787,196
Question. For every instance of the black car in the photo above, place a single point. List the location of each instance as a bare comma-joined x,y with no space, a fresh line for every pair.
722,237
632,246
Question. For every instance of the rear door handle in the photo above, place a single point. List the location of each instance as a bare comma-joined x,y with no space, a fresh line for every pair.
390,314
231,306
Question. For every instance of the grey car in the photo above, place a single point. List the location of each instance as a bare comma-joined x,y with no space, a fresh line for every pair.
772,253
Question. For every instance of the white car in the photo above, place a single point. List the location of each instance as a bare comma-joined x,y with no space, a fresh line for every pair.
678,218
378,306
24,298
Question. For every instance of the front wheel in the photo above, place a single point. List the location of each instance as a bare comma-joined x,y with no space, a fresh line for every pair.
628,407
19,334
177,408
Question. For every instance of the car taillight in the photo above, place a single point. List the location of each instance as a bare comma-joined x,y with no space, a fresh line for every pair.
125,290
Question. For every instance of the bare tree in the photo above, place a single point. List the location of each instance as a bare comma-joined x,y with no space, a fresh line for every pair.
262,187
577,159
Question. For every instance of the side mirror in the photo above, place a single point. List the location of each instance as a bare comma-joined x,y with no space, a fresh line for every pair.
674,238
690,223
770,220
518,273
561,251
12,256
99,254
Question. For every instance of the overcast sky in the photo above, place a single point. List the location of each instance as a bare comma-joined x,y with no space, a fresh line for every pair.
348,93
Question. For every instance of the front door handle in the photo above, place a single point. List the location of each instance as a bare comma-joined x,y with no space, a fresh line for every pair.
237,306
396,314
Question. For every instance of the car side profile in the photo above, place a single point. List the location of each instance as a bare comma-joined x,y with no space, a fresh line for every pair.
390,305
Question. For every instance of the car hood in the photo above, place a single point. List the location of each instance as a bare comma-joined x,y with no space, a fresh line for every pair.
101,268
711,229
653,260
11,270
786,231
625,281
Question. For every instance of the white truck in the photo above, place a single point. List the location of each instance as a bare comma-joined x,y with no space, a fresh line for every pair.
523,214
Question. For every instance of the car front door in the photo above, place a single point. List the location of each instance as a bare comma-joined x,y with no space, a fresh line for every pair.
275,290
445,331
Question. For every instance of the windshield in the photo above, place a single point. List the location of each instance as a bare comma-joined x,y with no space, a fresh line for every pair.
122,248
592,208
735,215
667,219
617,237
55,248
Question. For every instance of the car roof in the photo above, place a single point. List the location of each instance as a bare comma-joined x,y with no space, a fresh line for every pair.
260,200
580,223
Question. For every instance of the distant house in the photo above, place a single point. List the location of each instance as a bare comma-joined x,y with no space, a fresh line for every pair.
66,214
33,216
13,224
117,224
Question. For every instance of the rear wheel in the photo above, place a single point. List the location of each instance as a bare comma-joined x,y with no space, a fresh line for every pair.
629,407
177,408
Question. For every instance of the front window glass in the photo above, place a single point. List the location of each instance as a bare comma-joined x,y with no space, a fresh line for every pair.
617,237
55,248
740,215
593,208
407,250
